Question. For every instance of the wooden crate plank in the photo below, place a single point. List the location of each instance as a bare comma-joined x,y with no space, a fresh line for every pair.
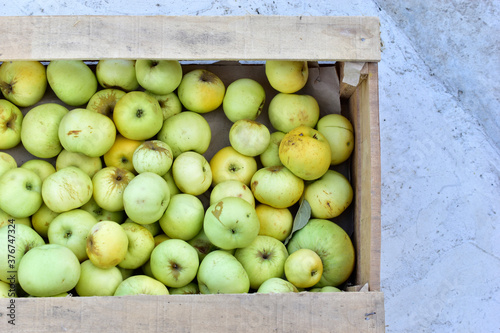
297,312
249,37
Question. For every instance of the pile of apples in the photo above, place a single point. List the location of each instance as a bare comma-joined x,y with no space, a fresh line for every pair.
118,198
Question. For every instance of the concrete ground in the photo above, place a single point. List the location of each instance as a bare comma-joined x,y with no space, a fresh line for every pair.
440,142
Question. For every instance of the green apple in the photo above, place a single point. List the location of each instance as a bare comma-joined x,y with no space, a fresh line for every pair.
192,173
287,111
104,101
146,269
41,167
277,187
66,189
169,178
16,240
263,259
7,292
107,244
231,188
339,132
72,81
146,198
41,220
20,192
231,223
276,285
158,76
23,82
186,131
95,281
169,103
183,218
303,268
160,238
140,245
87,132
228,164
153,228
325,289
7,162
11,120
244,99
126,273
201,91
305,152
89,165
287,76
332,244
202,244
9,219
249,137
270,156
153,156
141,285
174,262
189,289
117,73
138,116
108,186
71,229
274,222
329,196
39,132
48,270
120,155
221,273
102,214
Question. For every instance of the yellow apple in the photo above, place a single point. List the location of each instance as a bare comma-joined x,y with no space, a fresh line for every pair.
274,222
303,268
228,164
339,132
23,82
287,76
201,91
121,153
107,244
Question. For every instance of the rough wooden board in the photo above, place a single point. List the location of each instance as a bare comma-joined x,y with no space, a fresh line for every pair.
190,37
302,312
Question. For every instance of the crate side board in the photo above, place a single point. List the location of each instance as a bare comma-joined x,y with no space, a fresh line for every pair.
350,38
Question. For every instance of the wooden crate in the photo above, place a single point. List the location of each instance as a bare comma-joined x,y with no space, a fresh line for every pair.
347,41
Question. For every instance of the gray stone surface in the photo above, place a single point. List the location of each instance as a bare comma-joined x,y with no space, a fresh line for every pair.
439,103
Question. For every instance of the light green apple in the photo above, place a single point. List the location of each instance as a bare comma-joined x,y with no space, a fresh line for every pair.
303,268
6,291
141,285
202,244
263,259
249,137
146,198
117,73
41,220
183,218
332,244
201,91
158,76
277,187
169,178
17,239
104,101
228,164
274,222
189,289
72,81
23,82
287,76
154,228
48,270
39,132
186,131
66,189
71,229
169,103
107,244
276,285
325,289
231,188
174,262
108,185
95,281
11,120
271,156
153,156
9,219
287,111
140,245
89,165
41,167
221,273
329,196
138,116
87,132
244,99
102,214
231,223
339,132
7,162
20,192
192,173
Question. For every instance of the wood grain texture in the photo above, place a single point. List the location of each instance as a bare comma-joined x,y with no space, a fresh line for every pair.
297,312
190,37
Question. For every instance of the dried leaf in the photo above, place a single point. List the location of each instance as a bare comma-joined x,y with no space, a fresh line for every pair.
301,218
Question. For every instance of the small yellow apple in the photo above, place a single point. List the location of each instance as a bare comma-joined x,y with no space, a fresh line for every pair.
303,268
121,153
201,91
274,222
107,244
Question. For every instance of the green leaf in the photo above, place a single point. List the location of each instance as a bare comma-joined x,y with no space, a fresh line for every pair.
301,218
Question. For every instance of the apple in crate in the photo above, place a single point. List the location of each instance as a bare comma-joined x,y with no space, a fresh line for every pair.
108,187
72,81
274,222
11,120
140,245
104,101
303,268
6,291
228,164
276,285
95,281
41,220
158,76
183,218
271,156
89,165
192,173
117,73
201,91
141,285
23,82
20,192
249,137
102,214
7,162
107,244
244,99
189,289
169,103
287,111
121,154
48,270
339,132
41,167
153,156
9,219
231,188
287,76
